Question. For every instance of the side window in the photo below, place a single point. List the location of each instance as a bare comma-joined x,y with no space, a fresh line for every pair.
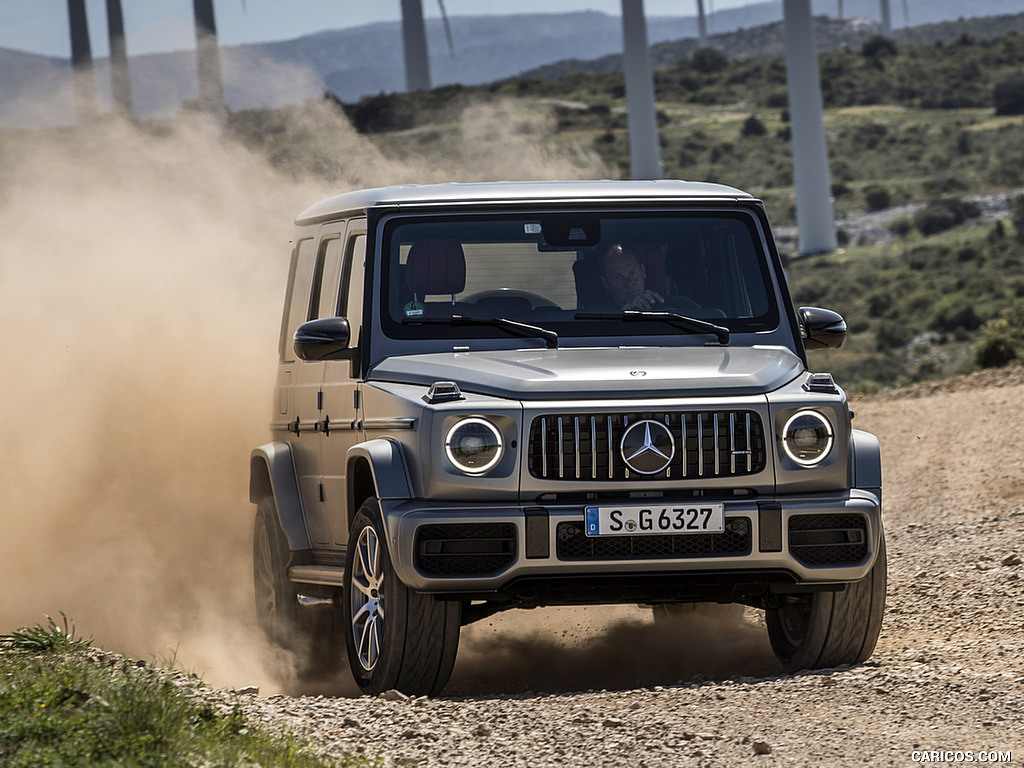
350,301
297,301
325,274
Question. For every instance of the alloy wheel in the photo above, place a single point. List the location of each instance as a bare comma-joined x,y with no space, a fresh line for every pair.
367,601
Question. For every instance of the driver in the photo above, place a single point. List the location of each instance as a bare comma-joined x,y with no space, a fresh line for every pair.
625,278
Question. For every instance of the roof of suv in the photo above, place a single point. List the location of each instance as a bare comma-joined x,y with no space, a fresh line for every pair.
518,191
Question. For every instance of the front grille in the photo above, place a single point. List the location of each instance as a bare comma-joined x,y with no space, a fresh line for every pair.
465,549
586,446
828,540
574,544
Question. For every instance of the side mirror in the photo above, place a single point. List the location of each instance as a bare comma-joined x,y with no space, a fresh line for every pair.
324,339
821,328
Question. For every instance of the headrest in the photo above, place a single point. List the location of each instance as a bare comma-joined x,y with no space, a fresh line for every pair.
436,266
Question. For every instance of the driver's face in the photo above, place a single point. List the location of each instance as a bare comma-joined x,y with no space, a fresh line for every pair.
624,277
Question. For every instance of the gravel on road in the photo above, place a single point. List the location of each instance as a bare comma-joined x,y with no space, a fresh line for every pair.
608,686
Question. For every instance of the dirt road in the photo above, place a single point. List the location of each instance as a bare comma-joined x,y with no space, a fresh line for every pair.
595,687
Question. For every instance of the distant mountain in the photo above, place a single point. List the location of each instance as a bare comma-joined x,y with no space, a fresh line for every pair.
35,90
769,40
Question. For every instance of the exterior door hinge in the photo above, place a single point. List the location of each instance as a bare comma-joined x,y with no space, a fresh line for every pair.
320,491
320,400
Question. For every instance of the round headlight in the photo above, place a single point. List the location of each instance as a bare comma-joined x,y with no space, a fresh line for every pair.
807,437
474,445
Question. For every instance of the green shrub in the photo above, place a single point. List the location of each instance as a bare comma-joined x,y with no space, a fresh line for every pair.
753,127
956,313
1008,95
879,46
995,352
877,197
1017,216
709,60
1001,339
902,226
940,215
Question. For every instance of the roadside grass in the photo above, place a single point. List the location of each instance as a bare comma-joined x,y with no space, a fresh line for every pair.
63,703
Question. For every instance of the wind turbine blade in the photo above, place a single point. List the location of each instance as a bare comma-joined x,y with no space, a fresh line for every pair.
447,28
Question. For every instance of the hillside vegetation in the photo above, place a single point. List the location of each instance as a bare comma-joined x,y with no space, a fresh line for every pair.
916,133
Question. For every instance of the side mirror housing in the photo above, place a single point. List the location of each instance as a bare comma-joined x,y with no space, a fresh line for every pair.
821,328
325,339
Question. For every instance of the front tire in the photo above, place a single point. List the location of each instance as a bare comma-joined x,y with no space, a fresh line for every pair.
396,638
826,629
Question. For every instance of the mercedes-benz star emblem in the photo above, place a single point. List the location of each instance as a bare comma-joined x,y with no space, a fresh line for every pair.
647,447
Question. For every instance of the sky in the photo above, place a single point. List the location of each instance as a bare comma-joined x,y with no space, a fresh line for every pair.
41,26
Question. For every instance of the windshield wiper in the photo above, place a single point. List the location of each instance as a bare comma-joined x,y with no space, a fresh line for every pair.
512,326
691,324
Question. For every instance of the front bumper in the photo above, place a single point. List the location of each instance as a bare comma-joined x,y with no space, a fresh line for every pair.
470,549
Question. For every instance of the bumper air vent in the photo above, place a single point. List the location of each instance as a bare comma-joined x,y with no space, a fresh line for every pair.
828,540
465,549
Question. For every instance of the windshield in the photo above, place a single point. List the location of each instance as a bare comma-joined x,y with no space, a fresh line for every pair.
576,274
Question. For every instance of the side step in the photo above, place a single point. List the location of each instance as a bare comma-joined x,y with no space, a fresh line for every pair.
327,575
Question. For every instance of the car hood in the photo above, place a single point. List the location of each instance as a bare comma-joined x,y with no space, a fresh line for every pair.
604,372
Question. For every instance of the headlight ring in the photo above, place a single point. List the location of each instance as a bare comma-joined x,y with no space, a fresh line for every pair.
808,437
474,445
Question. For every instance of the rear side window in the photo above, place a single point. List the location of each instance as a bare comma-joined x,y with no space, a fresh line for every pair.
325,277
297,301
350,302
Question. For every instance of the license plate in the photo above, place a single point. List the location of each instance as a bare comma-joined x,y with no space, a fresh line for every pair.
644,520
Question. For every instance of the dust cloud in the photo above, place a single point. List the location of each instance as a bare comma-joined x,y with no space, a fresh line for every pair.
142,271
557,650
141,281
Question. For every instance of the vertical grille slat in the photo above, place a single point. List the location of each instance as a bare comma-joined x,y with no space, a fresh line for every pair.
732,443
749,448
611,450
700,445
707,444
718,455
576,436
544,447
593,447
682,436
561,450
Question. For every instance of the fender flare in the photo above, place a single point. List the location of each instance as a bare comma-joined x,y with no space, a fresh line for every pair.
388,471
377,468
272,473
866,459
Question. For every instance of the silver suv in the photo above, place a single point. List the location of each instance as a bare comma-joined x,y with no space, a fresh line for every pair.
507,395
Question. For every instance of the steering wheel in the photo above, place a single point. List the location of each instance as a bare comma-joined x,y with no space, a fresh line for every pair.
535,299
